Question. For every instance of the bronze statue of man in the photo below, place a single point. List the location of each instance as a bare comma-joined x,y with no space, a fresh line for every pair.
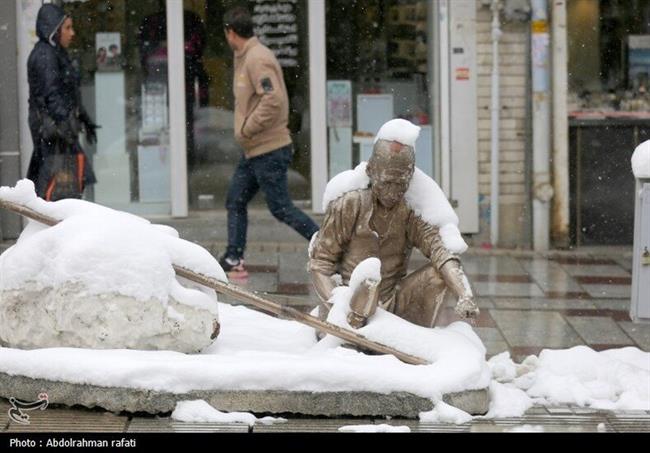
378,222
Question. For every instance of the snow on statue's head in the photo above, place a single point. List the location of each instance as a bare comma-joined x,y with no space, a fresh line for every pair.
391,166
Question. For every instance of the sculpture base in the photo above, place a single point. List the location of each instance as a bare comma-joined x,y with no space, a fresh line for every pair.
328,404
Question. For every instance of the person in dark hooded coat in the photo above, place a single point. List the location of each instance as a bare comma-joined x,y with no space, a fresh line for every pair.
56,115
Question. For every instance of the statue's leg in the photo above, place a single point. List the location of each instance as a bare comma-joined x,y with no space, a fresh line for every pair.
420,295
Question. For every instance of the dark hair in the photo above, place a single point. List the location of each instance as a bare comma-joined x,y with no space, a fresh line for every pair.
239,20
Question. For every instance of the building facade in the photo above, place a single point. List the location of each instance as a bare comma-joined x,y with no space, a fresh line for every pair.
158,76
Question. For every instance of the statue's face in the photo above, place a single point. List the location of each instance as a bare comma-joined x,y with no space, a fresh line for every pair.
389,186
390,169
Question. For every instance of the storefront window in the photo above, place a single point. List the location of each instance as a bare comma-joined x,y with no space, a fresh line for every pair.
609,105
212,150
609,55
378,68
120,46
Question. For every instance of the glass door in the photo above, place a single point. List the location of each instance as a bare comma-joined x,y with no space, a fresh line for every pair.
379,67
212,153
121,49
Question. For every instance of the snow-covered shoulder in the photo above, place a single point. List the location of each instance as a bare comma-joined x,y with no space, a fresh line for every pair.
423,196
641,160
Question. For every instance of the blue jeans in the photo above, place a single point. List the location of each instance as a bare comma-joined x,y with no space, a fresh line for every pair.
269,173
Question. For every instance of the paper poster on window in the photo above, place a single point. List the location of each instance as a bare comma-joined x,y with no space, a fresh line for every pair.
339,103
639,62
108,51
276,26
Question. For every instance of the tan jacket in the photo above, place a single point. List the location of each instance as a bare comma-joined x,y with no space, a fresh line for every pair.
261,101
346,238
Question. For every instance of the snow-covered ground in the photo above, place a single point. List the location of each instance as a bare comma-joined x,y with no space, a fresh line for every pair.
258,352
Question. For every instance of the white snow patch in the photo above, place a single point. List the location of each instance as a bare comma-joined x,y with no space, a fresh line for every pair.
399,130
444,413
271,420
507,401
199,411
526,429
601,428
641,160
368,269
502,367
615,379
258,352
374,429
423,196
105,250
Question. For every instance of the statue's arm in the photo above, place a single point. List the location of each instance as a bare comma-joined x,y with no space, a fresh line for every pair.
330,244
426,238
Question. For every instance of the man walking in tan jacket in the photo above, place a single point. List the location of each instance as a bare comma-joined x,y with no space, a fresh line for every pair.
261,119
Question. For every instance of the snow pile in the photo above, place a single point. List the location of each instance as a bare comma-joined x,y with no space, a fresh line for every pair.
615,379
383,428
199,411
423,196
257,352
444,413
641,160
399,130
442,347
101,278
526,429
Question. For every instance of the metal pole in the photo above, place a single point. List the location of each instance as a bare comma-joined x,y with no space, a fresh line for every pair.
318,102
177,114
495,111
542,189
560,225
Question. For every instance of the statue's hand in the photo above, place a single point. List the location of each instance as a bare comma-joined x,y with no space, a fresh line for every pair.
467,308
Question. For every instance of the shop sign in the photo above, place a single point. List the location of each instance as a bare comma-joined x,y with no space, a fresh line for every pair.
462,73
276,27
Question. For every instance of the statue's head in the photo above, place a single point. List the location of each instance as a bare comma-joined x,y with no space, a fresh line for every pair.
390,169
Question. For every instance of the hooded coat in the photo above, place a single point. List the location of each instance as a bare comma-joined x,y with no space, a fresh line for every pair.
55,110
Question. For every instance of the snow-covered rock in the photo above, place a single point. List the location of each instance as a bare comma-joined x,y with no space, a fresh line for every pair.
69,316
102,279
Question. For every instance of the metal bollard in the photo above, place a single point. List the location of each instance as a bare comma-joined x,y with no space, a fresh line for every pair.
640,304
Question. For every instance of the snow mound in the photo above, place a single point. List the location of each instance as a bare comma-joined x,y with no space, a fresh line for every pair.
199,411
641,160
399,130
383,428
102,278
423,196
444,413
440,346
615,379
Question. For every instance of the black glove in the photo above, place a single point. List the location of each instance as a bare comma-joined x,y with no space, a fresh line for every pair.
91,132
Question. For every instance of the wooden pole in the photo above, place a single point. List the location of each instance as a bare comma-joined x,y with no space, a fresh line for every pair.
250,297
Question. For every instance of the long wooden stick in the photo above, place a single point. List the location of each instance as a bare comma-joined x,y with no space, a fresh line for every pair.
250,297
